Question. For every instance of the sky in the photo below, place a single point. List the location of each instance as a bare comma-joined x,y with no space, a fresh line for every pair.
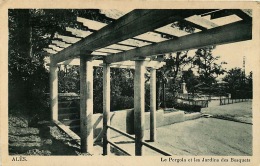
233,54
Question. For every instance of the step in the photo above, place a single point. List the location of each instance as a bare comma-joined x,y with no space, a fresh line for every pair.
73,115
71,122
65,104
69,110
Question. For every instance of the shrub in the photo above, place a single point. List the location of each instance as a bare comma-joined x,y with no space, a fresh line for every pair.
121,102
187,107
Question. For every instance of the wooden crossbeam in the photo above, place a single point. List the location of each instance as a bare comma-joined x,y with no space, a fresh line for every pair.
120,47
143,40
79,33
59,39
168,29
134,42
94,25
220,13
68,39
99,53
194,25
201,21
49,50
107,50
230,33
128,45
151,37
245,14
60,43
131,64
130,25
113,13
55,48
125,64
165,35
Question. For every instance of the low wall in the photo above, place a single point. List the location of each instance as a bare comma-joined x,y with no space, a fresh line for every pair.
124,120
192,116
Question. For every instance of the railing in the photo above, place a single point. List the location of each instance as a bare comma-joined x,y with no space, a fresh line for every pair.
225,101
158,150
203,103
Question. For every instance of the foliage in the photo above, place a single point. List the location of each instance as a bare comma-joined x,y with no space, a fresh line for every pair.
28,79
238,84
31,30
169,76
208,68
122,102
190,79
69,79
187,107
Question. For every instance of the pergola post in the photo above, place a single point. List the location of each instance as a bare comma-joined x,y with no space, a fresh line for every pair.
86,104
139,100
153,105
106,108
54,91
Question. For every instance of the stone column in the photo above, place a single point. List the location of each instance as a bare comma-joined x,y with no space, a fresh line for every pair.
139,96
153,105
106,108
86,105
54,91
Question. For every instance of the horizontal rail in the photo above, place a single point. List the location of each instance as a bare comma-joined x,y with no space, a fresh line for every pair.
156,149
113,144
144,143
69,132
121,132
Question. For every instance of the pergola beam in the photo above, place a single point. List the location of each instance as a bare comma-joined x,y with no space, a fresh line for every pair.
126,64
130,25
60,43
201,21
230,33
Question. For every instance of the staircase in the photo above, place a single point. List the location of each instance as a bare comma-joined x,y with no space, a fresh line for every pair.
69,114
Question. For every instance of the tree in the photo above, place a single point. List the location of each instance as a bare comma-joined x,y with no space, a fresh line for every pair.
190,79
31,30
208,68
249,81
238,84
234,78
27,76
170,73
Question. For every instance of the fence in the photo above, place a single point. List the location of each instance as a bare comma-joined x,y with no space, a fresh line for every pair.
225,101
195,102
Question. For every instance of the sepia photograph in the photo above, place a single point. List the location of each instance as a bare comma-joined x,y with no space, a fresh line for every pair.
167,83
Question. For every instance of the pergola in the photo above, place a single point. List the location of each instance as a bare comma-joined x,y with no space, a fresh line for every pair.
131,41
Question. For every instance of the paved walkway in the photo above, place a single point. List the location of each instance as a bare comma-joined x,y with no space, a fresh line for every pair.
204,136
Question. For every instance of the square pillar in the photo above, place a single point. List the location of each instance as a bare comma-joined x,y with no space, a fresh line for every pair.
86,105
106,108
54,91
139,106
153,105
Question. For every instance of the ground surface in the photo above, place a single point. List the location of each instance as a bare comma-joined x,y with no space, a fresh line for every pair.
241,112
205,136
38,138
230,135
